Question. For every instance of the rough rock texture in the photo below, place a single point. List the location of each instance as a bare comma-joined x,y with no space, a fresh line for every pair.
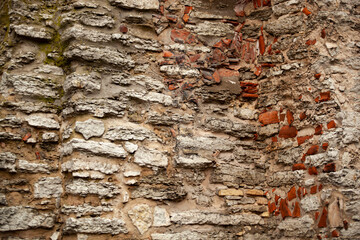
179,119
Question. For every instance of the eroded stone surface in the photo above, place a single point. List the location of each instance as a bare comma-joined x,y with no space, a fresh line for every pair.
141,216
90,128
95,225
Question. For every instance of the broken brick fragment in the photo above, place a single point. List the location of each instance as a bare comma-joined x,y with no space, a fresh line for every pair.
277,199
335,233
323,33
290,117
302,139
296,213
216,76
123,29
317,76
299,192
167,54
269,117
257,71
318,130
298,166
346,224
317,215
274,139
313,189
325,146
312,171
261,44
249,95
292,193
310,42
306,11
302,116
172,18
284,209
26,137
320,187
324,96
186,18
331,124
188,9
313,150
287,132
271,207
182,36
330,167
322,222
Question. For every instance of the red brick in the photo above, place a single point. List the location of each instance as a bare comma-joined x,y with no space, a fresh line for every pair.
313,150
302,116
269,117
312,171
287,132
299,192
271,207
167,54
262,44
216,76
172,18
324,96
325,146
296,213
27,136
302,139
274,139
291,194
306,11
335,233
323,33
298,166
188,9
277,199
186,18
317,76
330,167
123,29
290,117
313,189
318,130
249,95
331,124
317,215
284,209
346,224
322,222
311,42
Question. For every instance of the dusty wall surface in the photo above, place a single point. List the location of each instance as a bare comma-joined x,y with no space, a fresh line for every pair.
179,119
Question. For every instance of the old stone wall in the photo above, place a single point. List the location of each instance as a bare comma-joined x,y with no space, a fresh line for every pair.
179,119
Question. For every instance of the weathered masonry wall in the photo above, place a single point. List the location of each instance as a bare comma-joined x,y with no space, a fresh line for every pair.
179,119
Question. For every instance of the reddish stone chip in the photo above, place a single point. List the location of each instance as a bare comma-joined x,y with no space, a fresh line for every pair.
312,171
284,209
296,213
299,192
216,76
271,207
123,29
298,166
320,187
317,215
249,95
331,124
335,233
262,44
325,146
27,136
318,130
269,117
302,139
186,18
324,96
291,194
302,116
290,117
317,76
188,9
313,189
322,222
323,33
306,11
313,150
167,54
330,167
274,139
311,42
287,132
277,199
346,224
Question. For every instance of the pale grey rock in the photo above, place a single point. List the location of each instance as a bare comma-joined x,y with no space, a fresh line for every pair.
42,121
131,147
96,148
287,7
205,143
130,132
286,178
161,217
193,235
49,69
96,225
89,18
233,175
87,83
268,130
137,43
246,155
245,113
90,128
138,4
36,32
106,55
168,118
50,137
24,218
256,236
79,32
214,29
84,188
141,217
174,193
67,132
29,107
317,160
176,71
310,203
146,96
48,187
3,199
152,158
297,226
10,136
193,161
88,174
343,178
25,166
286,25
213,218
237,129
85,209
290,156
352,232
55,236
276,58
97,107
351,135
8,161
10,121
187,48
81,165
147,82
29,85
